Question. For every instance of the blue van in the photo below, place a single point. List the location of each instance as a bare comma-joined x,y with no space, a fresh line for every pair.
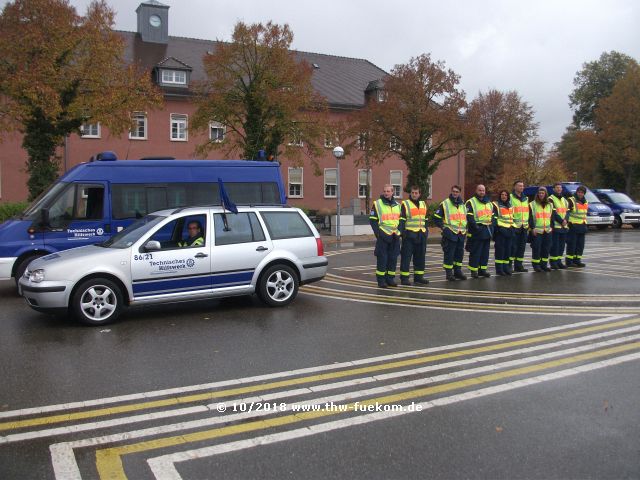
623,207
598,215
95,200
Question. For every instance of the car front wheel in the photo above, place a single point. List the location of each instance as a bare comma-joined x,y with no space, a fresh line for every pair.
97,301
617,222
278,286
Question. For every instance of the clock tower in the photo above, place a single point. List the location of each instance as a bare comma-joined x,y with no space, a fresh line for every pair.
153,21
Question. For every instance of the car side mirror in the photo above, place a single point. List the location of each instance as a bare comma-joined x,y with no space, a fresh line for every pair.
152,246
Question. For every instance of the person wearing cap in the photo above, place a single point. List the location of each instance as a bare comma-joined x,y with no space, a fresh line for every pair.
413,229
560,226
540,224
384,220
578,207
503,212
481,225
520,204
451,218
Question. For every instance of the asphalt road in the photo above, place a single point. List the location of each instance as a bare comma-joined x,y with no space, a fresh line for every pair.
534,376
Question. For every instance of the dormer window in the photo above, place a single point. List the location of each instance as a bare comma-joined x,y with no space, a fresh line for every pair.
174,77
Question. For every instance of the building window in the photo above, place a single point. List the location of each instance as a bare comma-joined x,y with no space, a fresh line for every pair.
382,96
176,77
395,179
328,141
364,183
139,131
428,145
90,130
395,145
179,127
295,182
216,132
330,182
295,139
428,194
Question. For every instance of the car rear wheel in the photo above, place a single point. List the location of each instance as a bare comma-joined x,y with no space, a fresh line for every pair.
97,301
278,286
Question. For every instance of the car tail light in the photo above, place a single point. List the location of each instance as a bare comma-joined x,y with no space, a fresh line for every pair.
320,247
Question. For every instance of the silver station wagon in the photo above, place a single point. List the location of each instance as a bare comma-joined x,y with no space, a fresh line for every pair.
177,255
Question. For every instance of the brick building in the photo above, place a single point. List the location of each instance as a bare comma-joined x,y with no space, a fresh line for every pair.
175,63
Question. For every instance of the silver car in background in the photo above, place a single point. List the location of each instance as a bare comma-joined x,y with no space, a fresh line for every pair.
270,251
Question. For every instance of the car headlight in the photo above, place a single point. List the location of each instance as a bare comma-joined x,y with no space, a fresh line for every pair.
592,214
36,276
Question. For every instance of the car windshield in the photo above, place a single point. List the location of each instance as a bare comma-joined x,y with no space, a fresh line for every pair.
589,196
617,197
133,232
43,200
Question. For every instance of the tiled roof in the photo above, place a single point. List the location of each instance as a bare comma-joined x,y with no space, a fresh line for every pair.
341,80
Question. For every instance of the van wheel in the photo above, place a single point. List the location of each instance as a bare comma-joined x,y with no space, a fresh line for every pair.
278,286
617,222
97,301
22,267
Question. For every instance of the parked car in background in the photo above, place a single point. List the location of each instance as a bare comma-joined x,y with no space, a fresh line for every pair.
625,210
270,251
599,215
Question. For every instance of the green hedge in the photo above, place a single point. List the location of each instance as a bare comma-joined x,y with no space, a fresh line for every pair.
10,209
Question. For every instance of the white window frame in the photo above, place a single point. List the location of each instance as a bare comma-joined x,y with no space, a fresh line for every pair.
361,141
369,175
179,119
171,77
394,144
295,140
137,117
428,145
382,96
325,183
98,133
397,187
328,143
218,126
301,183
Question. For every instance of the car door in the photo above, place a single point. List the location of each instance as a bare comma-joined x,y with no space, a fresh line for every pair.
239,246
177,269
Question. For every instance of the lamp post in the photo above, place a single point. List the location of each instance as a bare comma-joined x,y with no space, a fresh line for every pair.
338,152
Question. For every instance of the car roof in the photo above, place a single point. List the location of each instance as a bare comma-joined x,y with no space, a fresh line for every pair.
218,209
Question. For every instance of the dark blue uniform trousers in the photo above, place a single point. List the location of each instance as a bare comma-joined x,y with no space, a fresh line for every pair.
504,238
575,243
386,252
414,245
453,249
479,255
540,247
518,246
558,240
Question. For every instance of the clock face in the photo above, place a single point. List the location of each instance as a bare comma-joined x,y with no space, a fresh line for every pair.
155,21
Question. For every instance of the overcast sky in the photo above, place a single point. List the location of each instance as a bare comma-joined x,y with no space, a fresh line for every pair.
535,48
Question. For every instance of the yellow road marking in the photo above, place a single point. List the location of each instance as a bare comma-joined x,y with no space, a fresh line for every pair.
174,401
109,461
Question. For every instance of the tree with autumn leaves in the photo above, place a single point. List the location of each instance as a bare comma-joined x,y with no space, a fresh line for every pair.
59,70
418,117
262,94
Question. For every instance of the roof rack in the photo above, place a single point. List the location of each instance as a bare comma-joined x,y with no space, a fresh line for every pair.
250,205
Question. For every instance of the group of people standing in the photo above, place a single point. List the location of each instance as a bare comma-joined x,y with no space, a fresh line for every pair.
548,223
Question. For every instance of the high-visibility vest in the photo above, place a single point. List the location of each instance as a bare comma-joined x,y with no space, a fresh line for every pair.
388,217
198,242
561,205
416,216
578,212
541,216
505,215
482,212
455,216
520,211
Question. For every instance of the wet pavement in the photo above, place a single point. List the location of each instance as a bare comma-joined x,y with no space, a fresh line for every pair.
532,376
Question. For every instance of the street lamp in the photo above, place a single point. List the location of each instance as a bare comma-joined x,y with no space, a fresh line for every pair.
338,152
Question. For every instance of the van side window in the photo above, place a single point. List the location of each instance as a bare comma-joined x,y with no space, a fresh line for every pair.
243,228
77,202
286,225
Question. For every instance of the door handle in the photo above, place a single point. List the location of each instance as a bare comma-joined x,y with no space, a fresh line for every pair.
261,249
201,255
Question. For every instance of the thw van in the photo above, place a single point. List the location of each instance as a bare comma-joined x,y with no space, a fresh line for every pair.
97,199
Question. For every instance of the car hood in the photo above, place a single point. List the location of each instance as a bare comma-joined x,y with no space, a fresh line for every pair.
81,261
629,206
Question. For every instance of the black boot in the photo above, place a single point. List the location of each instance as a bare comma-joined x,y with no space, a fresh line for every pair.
569,262
520,267
459,275
450,276
536,267
391,282
561,265
420,280
405,281
554,265
474,274
382,283
507,269
544,267
578,263
499,270
483,272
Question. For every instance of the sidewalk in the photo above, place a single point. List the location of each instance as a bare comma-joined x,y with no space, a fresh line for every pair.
328,239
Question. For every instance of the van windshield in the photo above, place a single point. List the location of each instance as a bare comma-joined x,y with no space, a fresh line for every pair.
133,232
617,197
44,200
589,196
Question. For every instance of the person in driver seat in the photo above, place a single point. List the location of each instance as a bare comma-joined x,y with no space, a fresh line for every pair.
195,238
